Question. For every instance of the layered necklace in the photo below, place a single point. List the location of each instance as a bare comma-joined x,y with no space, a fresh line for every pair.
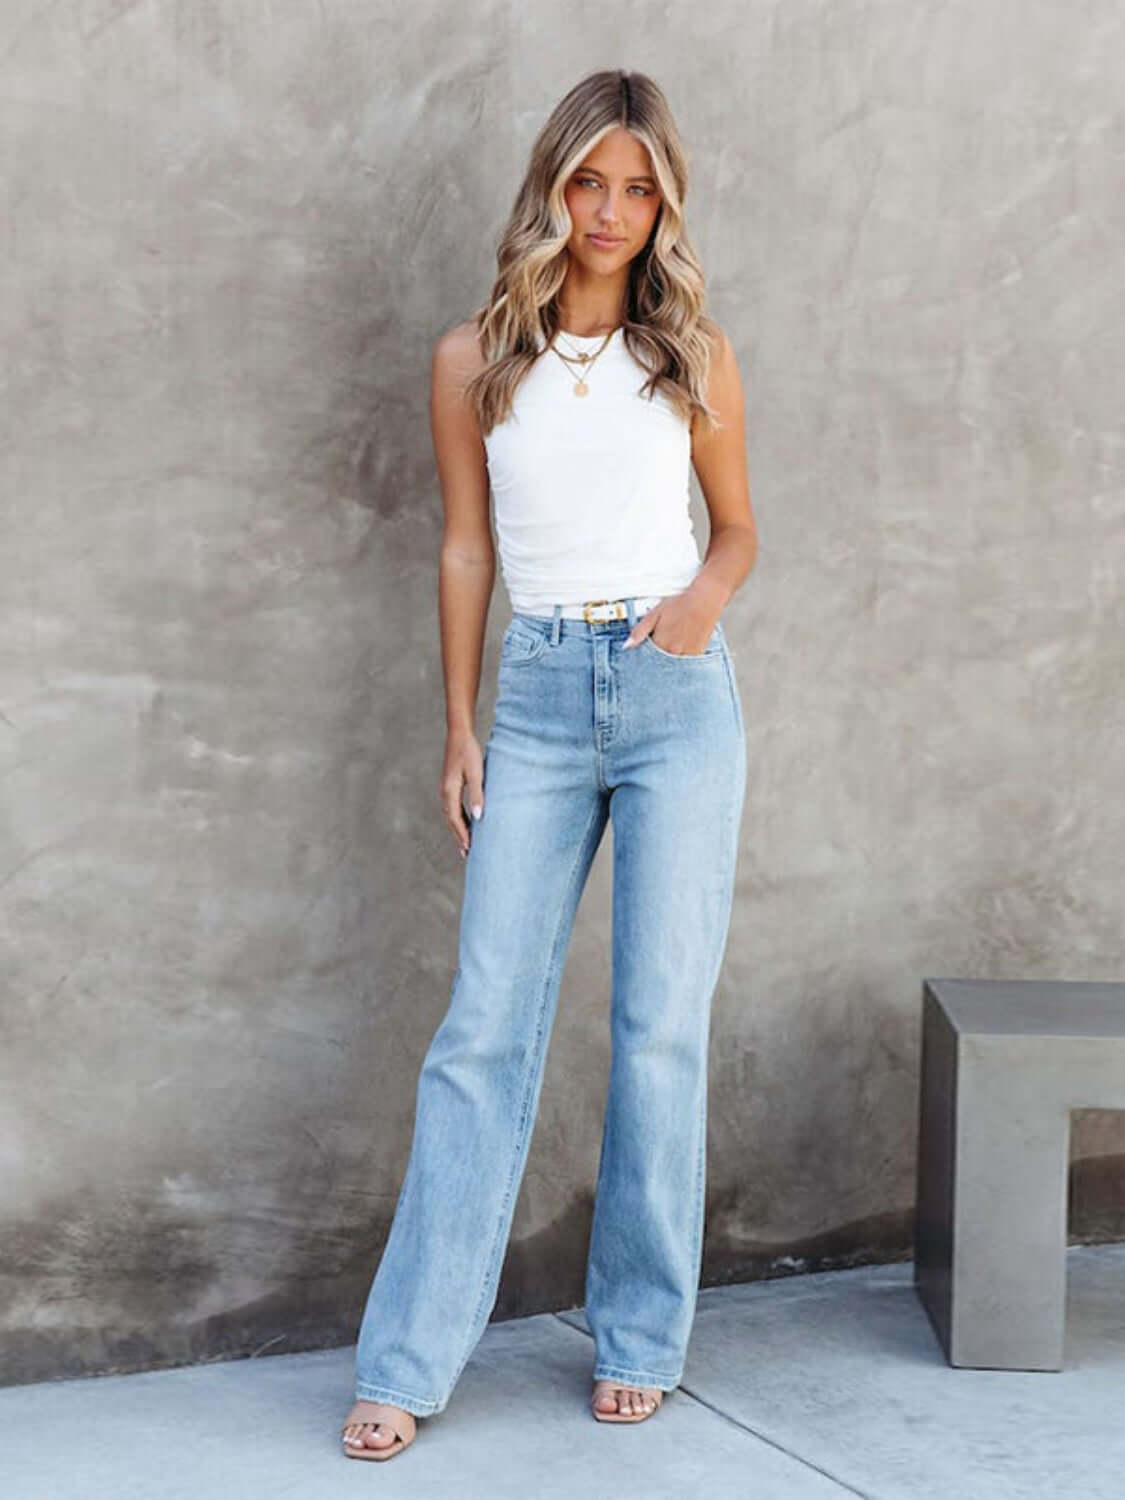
583,360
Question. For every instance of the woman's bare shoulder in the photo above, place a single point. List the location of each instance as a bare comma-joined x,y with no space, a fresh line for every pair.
457,351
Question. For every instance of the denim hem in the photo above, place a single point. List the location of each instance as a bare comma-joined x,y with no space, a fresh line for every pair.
418,1406
661,1381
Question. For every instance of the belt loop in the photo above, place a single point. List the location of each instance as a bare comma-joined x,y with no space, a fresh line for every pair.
556,625
631,607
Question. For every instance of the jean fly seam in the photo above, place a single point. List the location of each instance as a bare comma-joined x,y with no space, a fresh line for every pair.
530,1074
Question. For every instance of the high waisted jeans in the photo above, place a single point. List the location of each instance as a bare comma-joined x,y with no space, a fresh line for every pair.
583,731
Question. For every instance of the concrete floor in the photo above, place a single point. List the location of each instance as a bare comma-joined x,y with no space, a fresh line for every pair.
805,1388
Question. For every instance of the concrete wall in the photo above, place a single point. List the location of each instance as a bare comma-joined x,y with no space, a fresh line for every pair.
228,900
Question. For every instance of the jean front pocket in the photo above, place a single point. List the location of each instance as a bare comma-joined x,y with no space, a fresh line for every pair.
522,643
713,648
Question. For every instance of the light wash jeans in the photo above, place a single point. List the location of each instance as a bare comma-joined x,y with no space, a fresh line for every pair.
583,731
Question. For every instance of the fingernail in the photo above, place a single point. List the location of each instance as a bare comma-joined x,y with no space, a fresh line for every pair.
464,854
476,809
629,644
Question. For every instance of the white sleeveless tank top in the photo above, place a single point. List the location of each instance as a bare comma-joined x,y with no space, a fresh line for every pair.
591,493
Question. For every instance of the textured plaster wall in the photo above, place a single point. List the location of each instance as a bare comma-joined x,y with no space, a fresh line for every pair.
227,899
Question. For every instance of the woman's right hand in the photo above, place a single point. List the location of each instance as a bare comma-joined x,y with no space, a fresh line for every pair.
464,767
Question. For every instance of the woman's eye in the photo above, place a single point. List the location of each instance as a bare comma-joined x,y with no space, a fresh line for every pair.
593,182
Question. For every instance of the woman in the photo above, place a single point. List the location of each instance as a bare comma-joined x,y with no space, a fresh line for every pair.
579,395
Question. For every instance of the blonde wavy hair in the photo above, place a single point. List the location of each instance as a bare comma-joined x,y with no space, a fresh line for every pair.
665,327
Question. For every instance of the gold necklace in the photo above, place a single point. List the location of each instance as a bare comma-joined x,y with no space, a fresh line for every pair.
584,360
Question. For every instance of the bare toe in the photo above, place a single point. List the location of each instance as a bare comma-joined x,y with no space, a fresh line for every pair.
369,1425
605,1399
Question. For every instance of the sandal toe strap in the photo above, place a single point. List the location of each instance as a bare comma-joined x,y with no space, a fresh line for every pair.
380,1422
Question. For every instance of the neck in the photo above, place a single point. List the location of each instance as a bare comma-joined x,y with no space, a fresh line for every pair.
587,307
588,333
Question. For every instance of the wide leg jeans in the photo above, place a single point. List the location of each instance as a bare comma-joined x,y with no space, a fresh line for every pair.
584,731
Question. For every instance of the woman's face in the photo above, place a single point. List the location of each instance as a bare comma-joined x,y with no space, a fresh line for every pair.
613,201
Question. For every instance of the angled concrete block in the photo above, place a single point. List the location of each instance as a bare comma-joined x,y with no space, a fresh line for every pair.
1003,1064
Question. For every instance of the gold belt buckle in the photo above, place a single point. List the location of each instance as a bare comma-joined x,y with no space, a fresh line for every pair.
619,613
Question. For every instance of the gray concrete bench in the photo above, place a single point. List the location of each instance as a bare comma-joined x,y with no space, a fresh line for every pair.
1003,1064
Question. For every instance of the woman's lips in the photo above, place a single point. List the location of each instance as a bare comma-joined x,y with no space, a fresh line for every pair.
605,244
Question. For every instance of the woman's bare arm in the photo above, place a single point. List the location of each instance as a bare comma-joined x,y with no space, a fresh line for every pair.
467,567
719,460
687,619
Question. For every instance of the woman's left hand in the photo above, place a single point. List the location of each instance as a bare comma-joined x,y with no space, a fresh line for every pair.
686,625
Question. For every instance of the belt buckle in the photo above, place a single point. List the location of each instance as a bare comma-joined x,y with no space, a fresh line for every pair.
619,613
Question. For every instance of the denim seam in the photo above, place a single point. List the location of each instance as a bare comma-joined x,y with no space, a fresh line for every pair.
708,655
529,1081
388,1396
732,687
509,658
700,1180
701,1171
634,1377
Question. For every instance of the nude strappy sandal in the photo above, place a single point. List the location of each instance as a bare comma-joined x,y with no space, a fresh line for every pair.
653,1398
396,1422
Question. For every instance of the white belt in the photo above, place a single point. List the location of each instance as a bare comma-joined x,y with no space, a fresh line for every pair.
598,609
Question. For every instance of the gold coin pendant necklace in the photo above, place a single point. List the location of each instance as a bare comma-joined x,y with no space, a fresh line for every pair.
584,362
